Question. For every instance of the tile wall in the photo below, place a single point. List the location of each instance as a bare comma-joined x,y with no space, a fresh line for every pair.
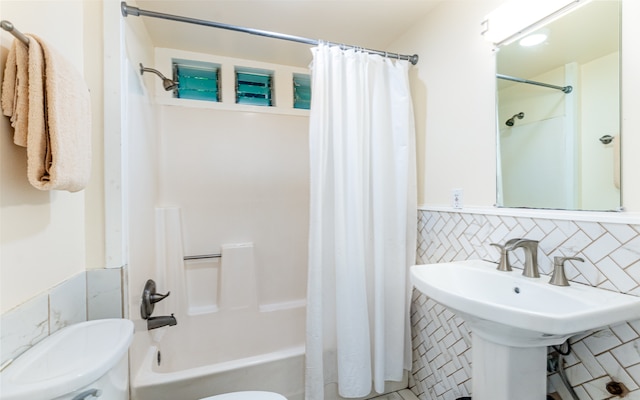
442,343
89,295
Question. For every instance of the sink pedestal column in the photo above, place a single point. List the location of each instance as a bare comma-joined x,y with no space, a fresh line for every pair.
506,373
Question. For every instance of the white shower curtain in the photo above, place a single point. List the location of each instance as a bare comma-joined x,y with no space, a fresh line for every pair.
362,222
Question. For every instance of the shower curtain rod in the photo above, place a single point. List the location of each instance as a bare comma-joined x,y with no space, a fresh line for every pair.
135,11
565,89
8,26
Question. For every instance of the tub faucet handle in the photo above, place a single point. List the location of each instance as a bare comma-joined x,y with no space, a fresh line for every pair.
156,297
149,298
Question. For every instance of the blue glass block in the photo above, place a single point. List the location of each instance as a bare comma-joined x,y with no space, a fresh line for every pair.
253,89
197,83
256,79
302,91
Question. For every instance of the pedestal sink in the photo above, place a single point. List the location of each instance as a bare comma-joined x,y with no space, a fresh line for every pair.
513,319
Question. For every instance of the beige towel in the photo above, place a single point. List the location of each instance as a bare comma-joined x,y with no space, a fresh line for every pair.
58,137
15,87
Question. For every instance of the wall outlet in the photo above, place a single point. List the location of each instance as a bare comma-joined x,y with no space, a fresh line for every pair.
456,198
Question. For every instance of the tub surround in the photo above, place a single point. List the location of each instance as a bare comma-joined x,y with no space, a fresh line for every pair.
611,249
89,295
214,348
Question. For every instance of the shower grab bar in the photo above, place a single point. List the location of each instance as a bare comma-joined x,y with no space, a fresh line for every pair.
565,89
202,256
135,11
8,26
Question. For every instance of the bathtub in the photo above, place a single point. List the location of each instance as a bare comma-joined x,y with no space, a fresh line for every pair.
189,361
230,336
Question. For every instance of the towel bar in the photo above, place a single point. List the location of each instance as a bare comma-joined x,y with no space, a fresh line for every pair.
203,256
8,26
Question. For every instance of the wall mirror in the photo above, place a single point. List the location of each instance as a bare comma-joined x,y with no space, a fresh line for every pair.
558,113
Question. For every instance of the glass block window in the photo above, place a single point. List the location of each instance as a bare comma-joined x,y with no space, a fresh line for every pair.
197,80
254,87
301,91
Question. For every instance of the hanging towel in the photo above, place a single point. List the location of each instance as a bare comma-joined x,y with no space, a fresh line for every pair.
58,127
15,87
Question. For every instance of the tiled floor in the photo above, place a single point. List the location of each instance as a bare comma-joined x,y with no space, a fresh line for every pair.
405,394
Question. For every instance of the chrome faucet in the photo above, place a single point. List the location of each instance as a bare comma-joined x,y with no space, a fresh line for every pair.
158,322
530,248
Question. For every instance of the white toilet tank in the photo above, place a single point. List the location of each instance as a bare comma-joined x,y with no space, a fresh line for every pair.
85,361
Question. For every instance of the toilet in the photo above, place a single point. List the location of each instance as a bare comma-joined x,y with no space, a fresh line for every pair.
250,395
81,361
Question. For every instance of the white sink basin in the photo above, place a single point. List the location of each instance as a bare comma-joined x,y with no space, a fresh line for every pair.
69,359
513,319
508,308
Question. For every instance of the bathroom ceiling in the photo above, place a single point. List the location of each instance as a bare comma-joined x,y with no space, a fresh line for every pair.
373,24
587,33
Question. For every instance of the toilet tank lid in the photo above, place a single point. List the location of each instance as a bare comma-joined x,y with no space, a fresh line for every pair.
251,395
67,360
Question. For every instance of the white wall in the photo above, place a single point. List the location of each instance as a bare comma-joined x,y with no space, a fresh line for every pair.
454,97
43,237
241,177
453,91
94,73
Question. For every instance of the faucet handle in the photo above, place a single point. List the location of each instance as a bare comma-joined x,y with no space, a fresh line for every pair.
503,263
149,298
156,297
507,245
558,277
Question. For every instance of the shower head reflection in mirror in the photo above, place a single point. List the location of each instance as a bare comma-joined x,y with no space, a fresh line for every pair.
511,120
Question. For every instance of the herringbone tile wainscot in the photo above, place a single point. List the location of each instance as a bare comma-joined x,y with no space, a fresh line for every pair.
441,342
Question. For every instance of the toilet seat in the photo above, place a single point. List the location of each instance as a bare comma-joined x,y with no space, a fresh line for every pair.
247,396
